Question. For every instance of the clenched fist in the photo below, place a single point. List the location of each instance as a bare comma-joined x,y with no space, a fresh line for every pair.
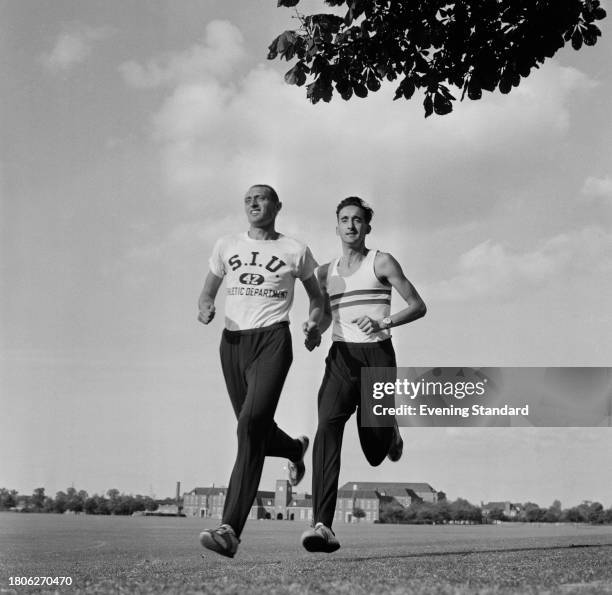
207,313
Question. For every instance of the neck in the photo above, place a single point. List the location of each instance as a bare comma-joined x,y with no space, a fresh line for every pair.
353,253
263,233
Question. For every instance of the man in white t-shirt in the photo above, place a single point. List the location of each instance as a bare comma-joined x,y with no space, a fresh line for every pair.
260,267
357,298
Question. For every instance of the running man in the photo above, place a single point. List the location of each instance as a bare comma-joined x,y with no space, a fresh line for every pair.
357,297
260,267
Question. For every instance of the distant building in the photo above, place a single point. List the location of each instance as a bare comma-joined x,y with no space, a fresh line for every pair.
370,495
204,502
283,504
509,509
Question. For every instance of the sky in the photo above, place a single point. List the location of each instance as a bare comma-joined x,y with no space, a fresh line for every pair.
130,132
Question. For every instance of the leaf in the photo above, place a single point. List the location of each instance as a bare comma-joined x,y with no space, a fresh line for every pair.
287,3
442,105
345,89
273,49
297,75
599,13
577,39
505,85
348,19
428,105
324,89
360,90
407,88
311,93
373,83
591,34
474,92
285,41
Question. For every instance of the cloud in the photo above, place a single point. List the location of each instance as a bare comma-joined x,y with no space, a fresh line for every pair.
216,135
182,240
2,182
216,58
598,189
73,47
491,269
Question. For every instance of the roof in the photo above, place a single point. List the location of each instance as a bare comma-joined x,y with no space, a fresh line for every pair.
217,491
363,494
207,491
388,487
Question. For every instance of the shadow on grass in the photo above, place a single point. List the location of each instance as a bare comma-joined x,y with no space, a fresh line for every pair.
471,552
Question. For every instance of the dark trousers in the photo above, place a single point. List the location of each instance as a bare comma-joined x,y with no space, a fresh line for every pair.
339,397
255,364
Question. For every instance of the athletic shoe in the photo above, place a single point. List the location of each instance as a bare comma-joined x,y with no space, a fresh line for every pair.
297,469
397,447
320,539
222,540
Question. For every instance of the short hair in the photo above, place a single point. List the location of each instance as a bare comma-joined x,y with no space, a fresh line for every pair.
355,201
271,190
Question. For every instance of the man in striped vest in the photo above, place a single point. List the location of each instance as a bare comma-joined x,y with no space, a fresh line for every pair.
357,293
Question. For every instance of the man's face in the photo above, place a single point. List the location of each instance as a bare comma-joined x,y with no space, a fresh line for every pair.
352,227
260,207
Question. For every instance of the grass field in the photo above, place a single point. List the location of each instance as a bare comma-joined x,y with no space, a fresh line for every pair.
157,555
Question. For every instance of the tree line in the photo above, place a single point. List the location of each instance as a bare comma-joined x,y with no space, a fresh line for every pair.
462,511
440,512
71,500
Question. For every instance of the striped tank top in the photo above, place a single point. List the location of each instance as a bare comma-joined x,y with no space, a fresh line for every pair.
359,294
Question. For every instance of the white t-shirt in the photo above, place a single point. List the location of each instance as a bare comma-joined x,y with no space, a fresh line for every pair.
260,277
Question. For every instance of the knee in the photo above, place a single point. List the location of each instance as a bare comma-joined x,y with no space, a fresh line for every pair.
252,426
330,427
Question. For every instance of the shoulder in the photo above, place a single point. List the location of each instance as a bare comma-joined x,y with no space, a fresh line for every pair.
381,257
297,250
385,264
322,273
292,243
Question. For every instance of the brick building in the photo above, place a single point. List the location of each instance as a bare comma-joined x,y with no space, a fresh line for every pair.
283,504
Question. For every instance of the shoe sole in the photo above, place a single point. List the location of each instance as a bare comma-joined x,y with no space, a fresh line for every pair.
396,453
314,543
300,467
209,542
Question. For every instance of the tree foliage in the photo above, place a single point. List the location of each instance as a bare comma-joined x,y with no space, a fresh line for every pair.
434,46
78,501
441,512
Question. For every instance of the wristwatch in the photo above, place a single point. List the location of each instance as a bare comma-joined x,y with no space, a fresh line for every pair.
386,322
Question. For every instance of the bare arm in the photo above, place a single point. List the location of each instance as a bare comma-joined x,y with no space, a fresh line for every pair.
326,318
206,303
388,270
315,311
